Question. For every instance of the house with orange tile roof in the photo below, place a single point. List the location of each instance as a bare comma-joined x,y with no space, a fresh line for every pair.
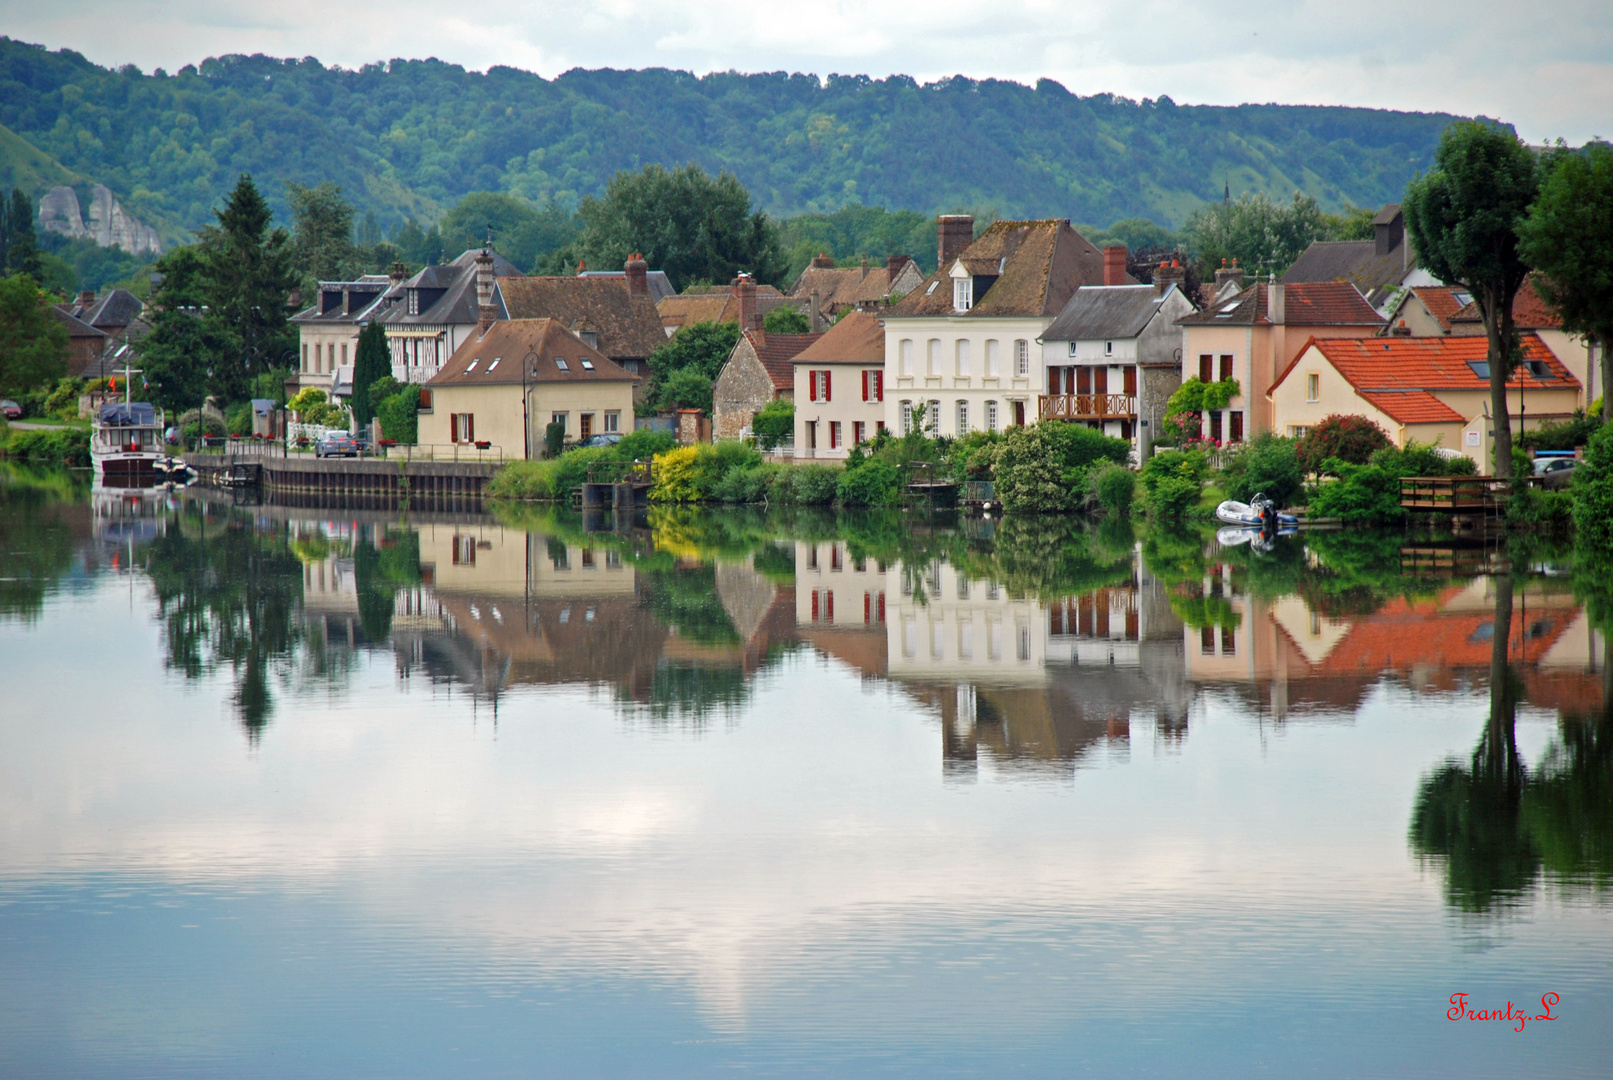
1427,389
840,387
1530,311
1425,310
1255,335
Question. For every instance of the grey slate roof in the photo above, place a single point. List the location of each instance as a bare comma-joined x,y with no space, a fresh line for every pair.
1105,312
448,293
115,310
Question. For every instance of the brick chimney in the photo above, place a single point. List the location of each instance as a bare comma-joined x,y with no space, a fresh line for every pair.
1401,329
1114,265
1225,273
398,274
86,298
486,313
1276,304
954,232
815,315
823,261
638,275
1168,274
894,265
745,291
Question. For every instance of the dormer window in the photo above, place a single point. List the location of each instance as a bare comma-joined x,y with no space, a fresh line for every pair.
963,293
414,301
589,338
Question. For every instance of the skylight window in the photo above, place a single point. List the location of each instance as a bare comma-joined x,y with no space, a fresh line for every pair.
931,289
472,366
587,364
493,365
560,362
1481,368
1538,369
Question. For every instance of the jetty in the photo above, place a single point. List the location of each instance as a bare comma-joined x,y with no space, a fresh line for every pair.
306,475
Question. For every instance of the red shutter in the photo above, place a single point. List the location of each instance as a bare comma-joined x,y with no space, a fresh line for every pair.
829,607
865,384
879,382
868,607
814,605
1053,381
826,394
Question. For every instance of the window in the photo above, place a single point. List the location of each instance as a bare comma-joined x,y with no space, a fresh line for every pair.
1108,348
414,301
1207,640
963,418
305,357
859,432
1313,387
993,358
1022,358
590,339
873,607
1024,644
613,421
874,385
1235,426
905,426
1298,431
963,293
587,364
560,362
933,420
425,400
1226,366
1229,641
462,427
344,354
962,358
1215,424
818,385
1481,368
493,365
966,641
464,551
933,359
563,419
472,366
904,353
1206,367
834,434
991,416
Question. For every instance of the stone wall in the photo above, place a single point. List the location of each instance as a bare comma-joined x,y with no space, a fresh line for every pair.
742,388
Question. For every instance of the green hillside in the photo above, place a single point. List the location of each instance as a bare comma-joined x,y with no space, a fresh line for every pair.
412,137
25,166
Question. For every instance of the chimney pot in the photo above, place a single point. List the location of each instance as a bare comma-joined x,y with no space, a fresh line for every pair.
1167,275
822,261
638,275
1114,265
954,233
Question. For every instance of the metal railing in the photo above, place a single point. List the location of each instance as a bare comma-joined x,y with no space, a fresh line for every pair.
240,447
1087,406
442,452
620,472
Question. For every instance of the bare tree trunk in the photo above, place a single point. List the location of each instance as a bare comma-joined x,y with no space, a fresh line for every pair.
1496,317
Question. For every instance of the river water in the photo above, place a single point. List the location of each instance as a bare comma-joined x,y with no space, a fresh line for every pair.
459,793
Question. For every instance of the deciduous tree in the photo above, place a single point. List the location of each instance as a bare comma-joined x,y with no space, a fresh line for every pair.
33,342
1463,216
322,246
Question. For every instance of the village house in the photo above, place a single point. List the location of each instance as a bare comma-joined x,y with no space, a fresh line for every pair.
840,387
614,314
963,345
656,281
1531,312
1425,310
429,316
1111,355
327,330
1255,335
1427,389
476,397
757,371
1379,268
716,303
829,290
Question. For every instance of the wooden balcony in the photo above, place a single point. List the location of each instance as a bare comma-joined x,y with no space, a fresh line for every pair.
1088,406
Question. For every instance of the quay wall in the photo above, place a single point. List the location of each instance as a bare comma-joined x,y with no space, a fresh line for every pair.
306,475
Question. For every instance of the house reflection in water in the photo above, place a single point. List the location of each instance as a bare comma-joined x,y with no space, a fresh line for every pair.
1036,686
499,607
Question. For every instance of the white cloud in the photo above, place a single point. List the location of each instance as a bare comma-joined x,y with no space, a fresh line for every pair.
1549,73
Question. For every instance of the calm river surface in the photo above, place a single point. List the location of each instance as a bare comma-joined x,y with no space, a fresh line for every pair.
458,793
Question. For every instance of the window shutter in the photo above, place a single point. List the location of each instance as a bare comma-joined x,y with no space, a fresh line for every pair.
826,394
470,427
453,427
879,386
865,384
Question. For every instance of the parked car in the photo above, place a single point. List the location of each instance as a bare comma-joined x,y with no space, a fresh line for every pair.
11,410
1555,472
605,439
337,444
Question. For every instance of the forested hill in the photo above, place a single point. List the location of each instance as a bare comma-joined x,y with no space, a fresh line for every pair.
411,137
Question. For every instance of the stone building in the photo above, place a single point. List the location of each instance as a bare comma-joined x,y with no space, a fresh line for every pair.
759,369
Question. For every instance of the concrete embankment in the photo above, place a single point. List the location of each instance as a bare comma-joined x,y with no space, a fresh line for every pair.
303,474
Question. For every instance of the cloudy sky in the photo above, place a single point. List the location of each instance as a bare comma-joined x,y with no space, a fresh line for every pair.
1546,67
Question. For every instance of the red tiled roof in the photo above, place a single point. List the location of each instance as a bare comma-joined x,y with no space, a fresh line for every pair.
1405,634
1441,302
1306,303
1529,310
856,339
1412,407
777,353
1400,364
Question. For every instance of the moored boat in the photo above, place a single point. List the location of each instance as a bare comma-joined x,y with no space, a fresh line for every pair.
1256,514
126,443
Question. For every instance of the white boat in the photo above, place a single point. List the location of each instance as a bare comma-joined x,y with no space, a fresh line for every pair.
1253,515
126,444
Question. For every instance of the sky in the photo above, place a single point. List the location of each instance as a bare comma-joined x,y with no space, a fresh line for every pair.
1546,67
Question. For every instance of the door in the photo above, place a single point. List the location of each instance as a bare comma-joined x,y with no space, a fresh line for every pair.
1235,426
1083,380
1019,413
586,422
1100,380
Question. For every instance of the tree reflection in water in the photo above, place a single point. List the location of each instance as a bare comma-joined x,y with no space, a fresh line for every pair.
1494,826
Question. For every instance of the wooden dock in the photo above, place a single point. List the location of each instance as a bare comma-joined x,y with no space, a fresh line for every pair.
1483,495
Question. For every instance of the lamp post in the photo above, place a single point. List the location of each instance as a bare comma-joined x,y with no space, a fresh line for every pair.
528,363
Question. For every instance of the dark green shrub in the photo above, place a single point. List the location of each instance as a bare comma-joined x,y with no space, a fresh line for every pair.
644,445
61,446
1362,494
238,418
1536,508
554,438
1350,439
1592,493
786,320
1421,459
744,485
399,414
1028,472
1266,464
1568,436
805,485
1114,486
874,482
774,423
1173,481
1078,445
571,468
523,480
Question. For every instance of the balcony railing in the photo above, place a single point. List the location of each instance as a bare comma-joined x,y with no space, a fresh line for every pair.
1088,406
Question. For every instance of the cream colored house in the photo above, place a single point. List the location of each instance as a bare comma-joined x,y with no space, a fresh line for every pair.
327,331
477,396
964,345
1427,389
840,387
1531,312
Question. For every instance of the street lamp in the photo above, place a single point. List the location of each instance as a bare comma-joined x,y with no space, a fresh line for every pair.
529,364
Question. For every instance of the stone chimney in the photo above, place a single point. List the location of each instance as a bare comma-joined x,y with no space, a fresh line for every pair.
638,275
954,232
86,298
1276,304
1168,274
815,316
486,313
398,274
1114,265
894,265
823,261
1225,273
745,291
